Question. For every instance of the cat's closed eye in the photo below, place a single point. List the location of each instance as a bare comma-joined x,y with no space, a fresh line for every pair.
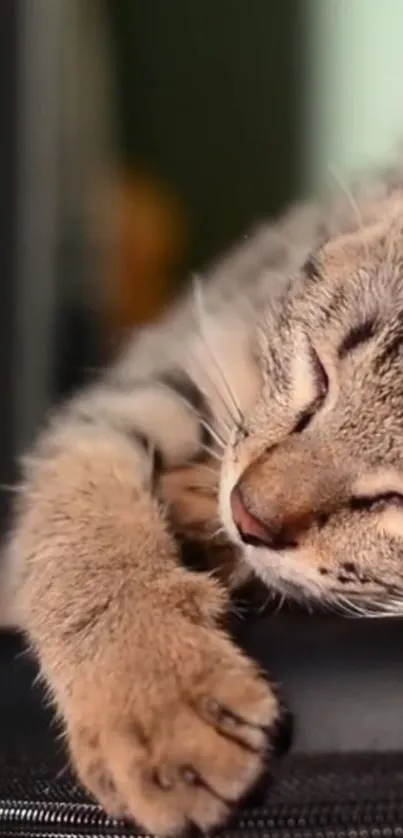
377,502
321,381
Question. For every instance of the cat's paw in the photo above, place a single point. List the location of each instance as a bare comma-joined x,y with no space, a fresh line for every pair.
191,498
174,736
190,494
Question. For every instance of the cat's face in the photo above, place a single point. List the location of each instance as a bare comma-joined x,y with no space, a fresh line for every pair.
312,483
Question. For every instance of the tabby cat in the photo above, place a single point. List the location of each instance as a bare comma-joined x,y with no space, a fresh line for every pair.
262,417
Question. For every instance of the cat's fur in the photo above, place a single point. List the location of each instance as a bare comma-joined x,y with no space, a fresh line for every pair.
293,357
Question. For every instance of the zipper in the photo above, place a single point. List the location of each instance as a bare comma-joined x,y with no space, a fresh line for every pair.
315,798
84,820
24,817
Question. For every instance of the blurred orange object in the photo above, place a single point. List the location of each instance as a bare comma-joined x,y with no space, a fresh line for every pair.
146,240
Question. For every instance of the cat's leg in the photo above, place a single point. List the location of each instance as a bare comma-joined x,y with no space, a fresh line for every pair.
166,720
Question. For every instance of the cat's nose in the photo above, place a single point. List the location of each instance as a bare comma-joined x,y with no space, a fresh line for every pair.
255,532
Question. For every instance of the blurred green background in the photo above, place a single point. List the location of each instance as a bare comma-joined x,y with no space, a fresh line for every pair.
209,100
152,134
239,106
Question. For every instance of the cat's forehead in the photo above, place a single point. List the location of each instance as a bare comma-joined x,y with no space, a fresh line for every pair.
352,278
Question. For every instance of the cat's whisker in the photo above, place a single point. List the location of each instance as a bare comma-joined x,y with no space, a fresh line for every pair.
217,533
214,434
202,487
201,316
236,609
209,428
370,608
280,603
348,607
349,196
263,606
226,424
207,468
232,419
397,602
211,451
63,771
392,608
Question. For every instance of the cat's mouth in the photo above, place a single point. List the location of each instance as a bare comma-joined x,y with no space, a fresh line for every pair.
292,573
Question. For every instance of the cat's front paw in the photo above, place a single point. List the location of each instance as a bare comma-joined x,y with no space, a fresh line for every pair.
175,730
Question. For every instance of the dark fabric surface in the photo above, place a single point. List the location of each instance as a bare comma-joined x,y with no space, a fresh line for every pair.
344,681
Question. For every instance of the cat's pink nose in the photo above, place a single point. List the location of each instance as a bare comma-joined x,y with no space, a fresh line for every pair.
275,532
251,530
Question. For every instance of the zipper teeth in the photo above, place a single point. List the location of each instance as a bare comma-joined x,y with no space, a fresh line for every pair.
24,834
81,820
394,832
23,817
329,832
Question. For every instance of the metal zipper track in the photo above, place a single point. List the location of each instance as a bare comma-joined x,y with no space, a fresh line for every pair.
313,798
52,818
80,820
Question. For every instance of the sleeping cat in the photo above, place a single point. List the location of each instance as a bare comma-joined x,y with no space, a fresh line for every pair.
263,417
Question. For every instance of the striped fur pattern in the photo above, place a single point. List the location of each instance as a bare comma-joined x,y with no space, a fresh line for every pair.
262,418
